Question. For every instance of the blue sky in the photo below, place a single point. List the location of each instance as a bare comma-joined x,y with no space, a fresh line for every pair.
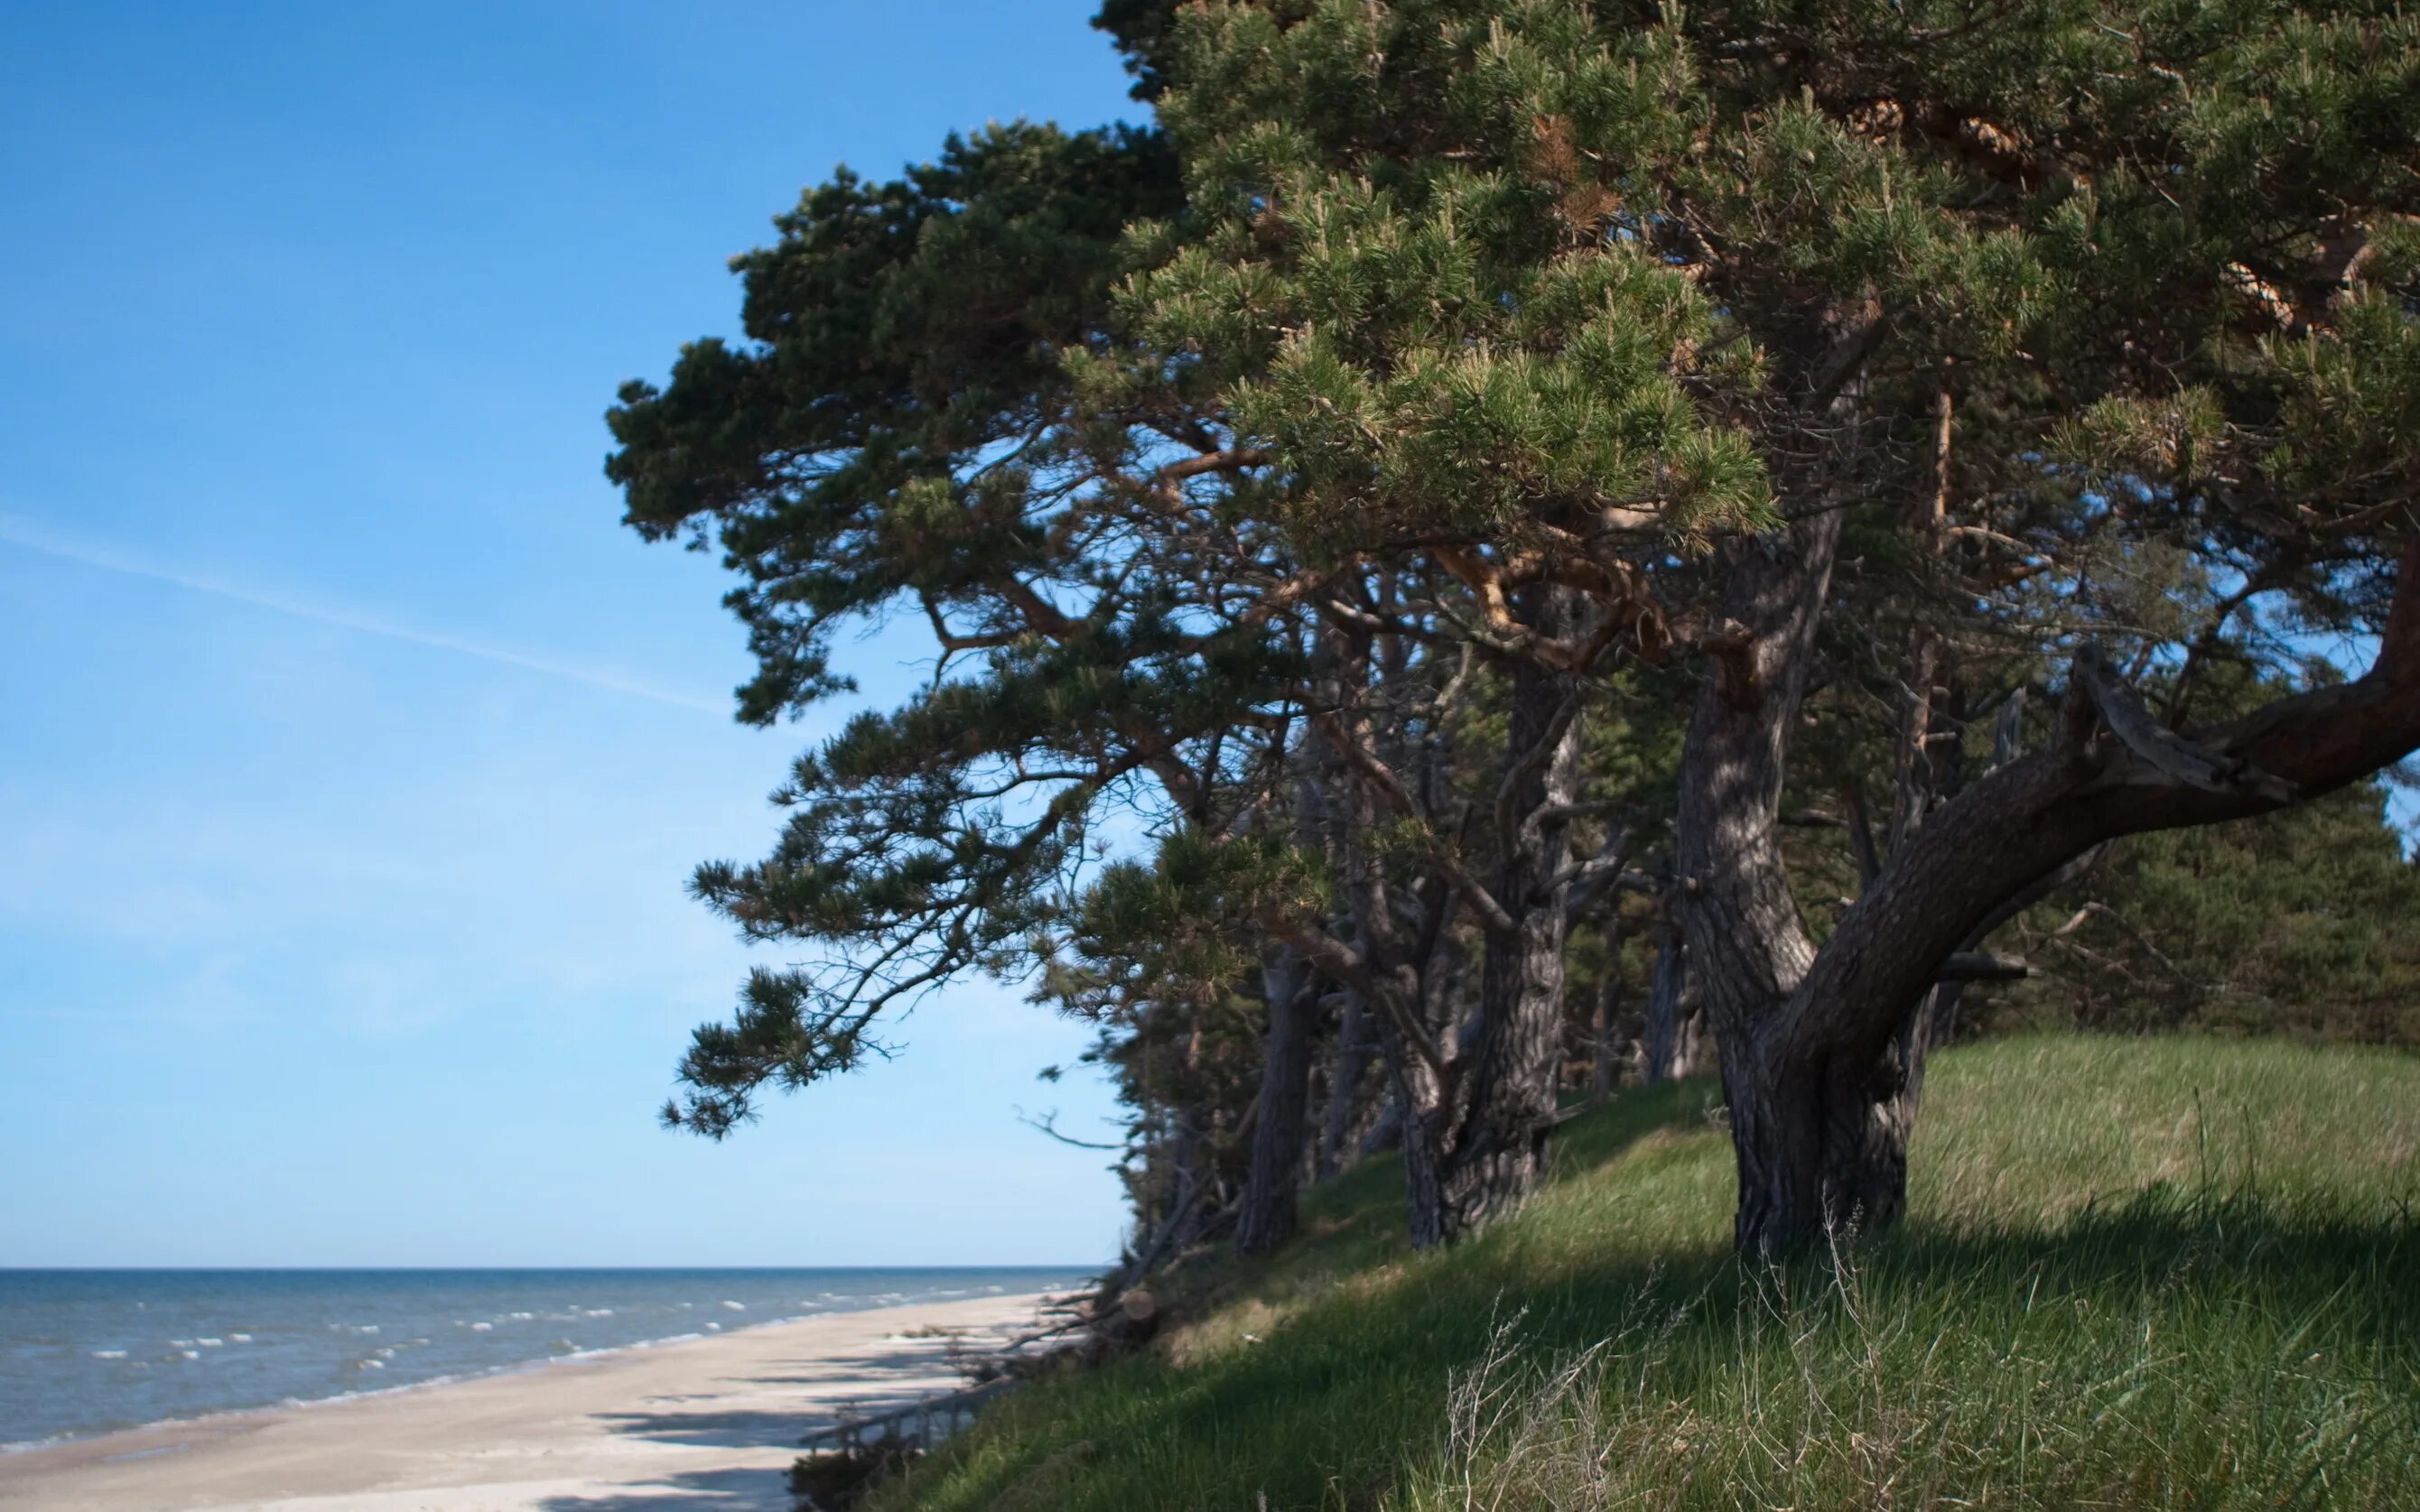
355,755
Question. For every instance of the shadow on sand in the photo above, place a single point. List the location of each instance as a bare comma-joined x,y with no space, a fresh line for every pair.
857,1384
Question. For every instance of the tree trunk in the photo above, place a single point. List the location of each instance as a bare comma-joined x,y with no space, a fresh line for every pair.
1499,1154
1267,1215
1605,1049
1742,928
1823,1054
1429,1210
1344,1078
1821,1145
1678,1042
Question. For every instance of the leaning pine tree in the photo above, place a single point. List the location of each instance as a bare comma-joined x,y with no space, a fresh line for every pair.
1569,300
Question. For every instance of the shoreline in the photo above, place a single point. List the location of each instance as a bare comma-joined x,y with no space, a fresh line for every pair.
710,1418
452,1378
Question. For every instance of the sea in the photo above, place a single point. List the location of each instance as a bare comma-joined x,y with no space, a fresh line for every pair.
90,1352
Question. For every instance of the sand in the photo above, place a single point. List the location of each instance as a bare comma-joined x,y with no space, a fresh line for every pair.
710,1423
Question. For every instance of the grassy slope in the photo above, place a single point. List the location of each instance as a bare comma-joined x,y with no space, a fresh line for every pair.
2138,1273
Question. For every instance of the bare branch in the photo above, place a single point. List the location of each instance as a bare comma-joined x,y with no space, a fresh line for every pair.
1981,966
1048,1123
1492,914
2163,749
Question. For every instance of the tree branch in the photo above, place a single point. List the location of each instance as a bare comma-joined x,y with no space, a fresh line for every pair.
2163,749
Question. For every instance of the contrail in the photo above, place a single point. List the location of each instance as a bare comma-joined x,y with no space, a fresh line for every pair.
30,537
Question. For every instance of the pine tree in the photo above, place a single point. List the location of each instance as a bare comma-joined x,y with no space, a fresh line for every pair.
1350,472
1559,294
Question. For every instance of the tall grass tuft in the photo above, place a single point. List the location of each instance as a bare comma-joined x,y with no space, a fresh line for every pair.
2135,1275
2189,1372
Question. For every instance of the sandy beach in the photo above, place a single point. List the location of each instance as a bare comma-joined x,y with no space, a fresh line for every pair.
704,1423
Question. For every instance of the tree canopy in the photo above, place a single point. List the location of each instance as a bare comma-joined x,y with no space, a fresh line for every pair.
1564,522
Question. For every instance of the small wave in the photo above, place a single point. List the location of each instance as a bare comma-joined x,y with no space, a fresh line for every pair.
714,1328
29,1445
481,1328
191,1354
519,1318
109,1354
370,1365
735,1306
598,1312
238,1338
211,1344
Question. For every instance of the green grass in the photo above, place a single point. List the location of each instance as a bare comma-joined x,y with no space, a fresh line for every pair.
2137,1274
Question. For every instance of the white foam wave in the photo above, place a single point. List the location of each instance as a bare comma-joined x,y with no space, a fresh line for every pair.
370,1363
735,1306
29,1445
109,1354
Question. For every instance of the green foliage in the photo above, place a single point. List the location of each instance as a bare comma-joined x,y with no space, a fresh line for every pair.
2303,922
1409,322
2137,1274
876,435
1142,30
1424,305
1178,928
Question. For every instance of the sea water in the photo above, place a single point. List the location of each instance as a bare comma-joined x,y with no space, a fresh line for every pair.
87,1351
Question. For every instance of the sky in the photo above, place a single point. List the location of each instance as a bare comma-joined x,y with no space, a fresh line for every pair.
352,755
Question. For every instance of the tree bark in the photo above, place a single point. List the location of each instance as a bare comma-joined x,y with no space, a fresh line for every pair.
1678,1042
1604,1058
1822,1052
1514,1049
1343,1112
1740,925
1271,1190
1428,1207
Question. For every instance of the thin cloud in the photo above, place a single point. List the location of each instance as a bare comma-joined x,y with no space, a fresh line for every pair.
30,536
